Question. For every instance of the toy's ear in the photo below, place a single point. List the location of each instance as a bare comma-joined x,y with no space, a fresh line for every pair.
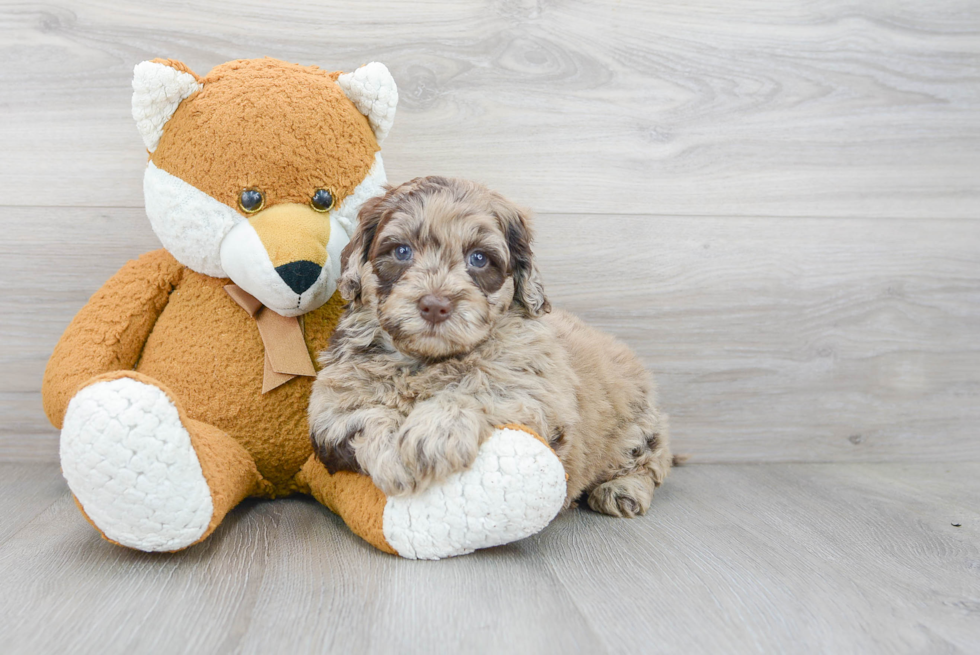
373,91
355,252
158,87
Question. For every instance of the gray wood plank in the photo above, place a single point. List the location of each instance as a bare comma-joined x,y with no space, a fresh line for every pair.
851,558
785,558
501,601
792,340
25,434
283,576
65,589
772,339
25,492
746,108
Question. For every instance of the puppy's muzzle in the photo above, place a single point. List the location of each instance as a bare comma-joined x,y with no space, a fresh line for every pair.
435,309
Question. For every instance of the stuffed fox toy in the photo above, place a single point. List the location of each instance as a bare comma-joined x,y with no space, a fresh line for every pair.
181,387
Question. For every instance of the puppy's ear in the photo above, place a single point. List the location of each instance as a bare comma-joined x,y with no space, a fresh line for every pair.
516,223
355,253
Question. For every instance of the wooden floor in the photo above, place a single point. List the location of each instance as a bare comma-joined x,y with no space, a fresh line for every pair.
773,558
776,204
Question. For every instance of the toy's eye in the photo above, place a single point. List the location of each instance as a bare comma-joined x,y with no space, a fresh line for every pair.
477,259
403,253
322,200
251,200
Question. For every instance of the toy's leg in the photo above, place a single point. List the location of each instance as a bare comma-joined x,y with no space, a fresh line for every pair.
515,488
145,475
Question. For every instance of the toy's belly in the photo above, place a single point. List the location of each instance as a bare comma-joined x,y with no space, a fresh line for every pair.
208,351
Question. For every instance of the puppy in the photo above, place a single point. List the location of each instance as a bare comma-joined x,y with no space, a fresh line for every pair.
448,334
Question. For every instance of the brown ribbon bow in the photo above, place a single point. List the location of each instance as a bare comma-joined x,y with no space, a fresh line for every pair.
286,355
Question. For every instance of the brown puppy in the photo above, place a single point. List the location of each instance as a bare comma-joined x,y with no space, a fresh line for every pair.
448,334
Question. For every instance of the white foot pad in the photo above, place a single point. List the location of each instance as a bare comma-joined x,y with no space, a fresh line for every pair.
129,461
513,490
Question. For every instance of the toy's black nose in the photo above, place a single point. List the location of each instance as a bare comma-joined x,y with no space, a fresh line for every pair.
300,276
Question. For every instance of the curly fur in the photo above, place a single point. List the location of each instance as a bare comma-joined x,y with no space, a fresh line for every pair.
410,402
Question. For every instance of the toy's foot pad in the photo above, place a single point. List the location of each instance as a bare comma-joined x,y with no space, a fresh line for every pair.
130,463
515,488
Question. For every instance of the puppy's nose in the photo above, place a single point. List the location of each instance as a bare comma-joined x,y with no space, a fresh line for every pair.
299,276
435,309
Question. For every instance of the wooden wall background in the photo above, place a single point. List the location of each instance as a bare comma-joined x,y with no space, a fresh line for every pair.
776,203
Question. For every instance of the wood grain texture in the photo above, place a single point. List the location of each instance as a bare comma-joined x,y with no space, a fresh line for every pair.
25,492
793,340
775,204
851,558
772,339
716,107
787,558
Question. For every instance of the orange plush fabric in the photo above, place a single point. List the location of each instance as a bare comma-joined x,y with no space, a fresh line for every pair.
182,386
230,135
287,130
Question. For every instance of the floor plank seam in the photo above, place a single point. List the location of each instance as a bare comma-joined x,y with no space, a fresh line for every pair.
583,615
41,512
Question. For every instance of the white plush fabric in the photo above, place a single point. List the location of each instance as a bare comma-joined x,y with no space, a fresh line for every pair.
371,186
339,238
189,223
129,461
157,90
211,238
246,261
373,91
515,488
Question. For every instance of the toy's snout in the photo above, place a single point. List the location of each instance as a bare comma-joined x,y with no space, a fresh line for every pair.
295,238
287,256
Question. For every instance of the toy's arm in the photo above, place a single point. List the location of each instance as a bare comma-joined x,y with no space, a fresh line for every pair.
109,332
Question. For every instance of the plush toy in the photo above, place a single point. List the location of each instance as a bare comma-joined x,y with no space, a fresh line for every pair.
181,387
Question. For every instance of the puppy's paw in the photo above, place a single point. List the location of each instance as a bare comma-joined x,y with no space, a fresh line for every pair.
336,457
439,439
625,497
387,471
337,437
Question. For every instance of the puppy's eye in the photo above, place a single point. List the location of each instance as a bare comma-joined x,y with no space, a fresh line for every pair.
251,200
322,200
403,253
477,259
